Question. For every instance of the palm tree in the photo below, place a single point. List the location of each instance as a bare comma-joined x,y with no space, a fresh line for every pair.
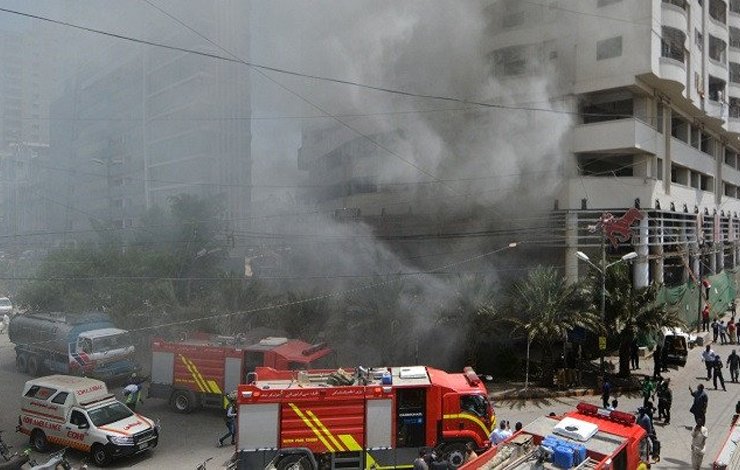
545,308
631,311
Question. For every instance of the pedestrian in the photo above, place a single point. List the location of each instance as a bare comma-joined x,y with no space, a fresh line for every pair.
648,390
722,332
715,329
230,420
502,433
699,406
705,317
420,462
665,400
613,405
635,354
732,330
606,390
698,445
708,357
518,426
733,363
470,453
643,419
717,368
657,361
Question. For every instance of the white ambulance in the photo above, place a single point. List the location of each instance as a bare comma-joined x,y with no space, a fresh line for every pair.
79,412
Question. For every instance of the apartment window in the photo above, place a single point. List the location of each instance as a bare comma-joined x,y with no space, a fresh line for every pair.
609,48
718,11
734,108
679,3
659,168
734,72
734,37
680,175
695,133
695,180
659,117
707,143
672,43
716,89
509,61
735,6
717,49
606,165
679,128
706,183
606,107
730,158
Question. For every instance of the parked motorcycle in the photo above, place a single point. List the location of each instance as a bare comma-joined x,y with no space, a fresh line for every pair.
9,460
56,459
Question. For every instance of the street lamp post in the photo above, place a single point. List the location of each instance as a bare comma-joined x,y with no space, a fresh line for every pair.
602,270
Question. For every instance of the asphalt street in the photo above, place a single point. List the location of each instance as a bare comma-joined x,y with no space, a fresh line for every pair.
186,440
675,437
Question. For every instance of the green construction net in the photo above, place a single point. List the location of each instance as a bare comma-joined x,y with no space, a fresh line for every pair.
684,299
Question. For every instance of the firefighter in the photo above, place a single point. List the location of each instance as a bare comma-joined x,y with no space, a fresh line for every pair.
230,420
420,462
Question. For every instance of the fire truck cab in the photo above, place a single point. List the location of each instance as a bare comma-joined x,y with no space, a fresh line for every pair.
359,419
589,438
200,371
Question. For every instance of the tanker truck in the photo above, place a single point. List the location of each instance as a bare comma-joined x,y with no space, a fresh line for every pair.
86,344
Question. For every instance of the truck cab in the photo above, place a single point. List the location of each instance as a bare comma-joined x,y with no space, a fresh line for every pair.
79,412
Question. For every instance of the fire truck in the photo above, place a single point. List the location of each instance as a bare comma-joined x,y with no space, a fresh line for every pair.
590,438
359,419
729,456
201,370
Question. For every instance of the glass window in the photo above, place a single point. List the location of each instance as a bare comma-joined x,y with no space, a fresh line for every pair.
475,404
40,393
109,414
60,398
77,418
609,48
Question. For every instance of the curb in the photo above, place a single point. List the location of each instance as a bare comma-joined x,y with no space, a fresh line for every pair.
513,394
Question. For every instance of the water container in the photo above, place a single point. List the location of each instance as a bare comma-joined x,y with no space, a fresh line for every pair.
563,457
579,452
386,378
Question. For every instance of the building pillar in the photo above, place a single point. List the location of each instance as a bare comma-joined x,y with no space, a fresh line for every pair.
641,266
667,159
656,248
571,247
690,247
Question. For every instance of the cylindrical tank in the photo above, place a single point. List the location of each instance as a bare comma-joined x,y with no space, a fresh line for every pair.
54,331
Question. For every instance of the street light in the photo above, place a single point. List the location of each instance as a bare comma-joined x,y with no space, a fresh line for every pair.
602,270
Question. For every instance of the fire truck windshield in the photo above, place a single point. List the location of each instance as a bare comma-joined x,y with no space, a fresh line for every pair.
110,413
476,404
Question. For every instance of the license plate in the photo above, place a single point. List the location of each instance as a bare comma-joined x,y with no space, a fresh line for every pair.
143,446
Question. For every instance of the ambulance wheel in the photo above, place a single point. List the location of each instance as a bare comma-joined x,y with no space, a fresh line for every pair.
21,362
33,365
455,452
39,441
100,455
183,401
294,462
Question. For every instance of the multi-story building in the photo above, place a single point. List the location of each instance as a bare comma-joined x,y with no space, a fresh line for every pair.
650,94
140,124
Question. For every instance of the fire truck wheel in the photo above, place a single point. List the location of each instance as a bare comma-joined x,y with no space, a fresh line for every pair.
294,462
455,452
39,441
183,401
33,365
21,362
100,455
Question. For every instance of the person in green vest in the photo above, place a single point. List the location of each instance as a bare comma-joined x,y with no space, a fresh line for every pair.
132,392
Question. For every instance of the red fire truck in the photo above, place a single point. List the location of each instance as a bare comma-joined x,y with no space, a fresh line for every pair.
359,419
590,438
200,370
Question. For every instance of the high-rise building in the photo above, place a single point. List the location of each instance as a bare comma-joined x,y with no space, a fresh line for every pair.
648,96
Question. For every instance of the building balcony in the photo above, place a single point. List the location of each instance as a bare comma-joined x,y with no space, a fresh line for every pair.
621,135
715,109
673,70
718,69
733,125
718,30
609,192
685,155
733,90
674,16
733,55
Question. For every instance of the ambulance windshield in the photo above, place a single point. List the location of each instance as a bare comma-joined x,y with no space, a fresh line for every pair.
109,414
108,343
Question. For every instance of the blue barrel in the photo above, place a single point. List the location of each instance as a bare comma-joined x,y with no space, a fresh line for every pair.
563,457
